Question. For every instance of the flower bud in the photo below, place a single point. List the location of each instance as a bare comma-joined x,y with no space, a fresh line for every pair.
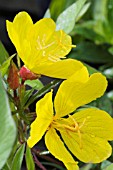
13,77
26,74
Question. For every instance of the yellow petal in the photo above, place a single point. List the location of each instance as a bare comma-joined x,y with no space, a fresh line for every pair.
42,31
39,36
57,148
44,110
77,92
19,28
60,69
61,45
89,141
90,149
47,47
96,122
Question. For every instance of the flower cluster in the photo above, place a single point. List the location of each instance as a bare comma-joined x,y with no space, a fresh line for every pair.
84,131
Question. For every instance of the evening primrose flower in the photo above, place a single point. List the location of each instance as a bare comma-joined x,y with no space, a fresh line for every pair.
41,47
86,133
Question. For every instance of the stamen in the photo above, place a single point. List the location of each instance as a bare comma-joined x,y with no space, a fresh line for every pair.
76,124
82,123
43,53
41,44
48,45
80,139
73,46
38,41
76,128
43,40
58,125
61,36
53,59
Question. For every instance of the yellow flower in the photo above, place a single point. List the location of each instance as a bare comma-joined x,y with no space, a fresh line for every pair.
41,47
86,133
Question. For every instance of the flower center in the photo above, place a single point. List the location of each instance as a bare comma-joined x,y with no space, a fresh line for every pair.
62,125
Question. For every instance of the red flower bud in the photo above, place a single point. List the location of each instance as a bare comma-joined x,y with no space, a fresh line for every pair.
26,74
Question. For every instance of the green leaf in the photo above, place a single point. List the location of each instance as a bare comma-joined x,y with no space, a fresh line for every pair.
6,167
59,5
108,73
110,167
15,147
100,10
27,95
89,52
3,53
4,67
91,70
17,161
29,159
109,7
36,84
110,95
87,167
111,50
47,14
7,127
86,30
83,11
42,91
66,20
103,103
53,165
103,15
105,164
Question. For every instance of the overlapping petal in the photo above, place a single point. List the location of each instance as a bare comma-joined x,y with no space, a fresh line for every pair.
89,143
79,90
44,110
47,43
91,150
96,122
18,30
61,69
57,148
41,32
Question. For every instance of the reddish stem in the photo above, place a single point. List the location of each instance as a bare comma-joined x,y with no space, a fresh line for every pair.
38,163
47,158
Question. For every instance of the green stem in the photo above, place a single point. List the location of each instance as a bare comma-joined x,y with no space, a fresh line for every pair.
10,97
